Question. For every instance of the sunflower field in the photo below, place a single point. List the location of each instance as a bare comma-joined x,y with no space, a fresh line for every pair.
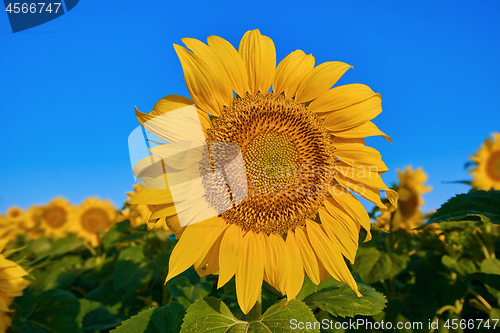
225,231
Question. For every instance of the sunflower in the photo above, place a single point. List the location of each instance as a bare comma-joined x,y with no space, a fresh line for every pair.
22,220
12,285
487,161
91,217
407,215
139,214
303,153
7,228
55,217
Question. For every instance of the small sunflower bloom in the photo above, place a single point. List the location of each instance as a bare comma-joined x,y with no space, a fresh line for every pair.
92,217
55,218
303,152
407,215
487,161
12,285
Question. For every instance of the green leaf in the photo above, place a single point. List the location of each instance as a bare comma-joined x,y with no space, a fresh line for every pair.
187,293
309,288
130,268
481,206
491,269
155,320
213,316
343,301
46,311
373,265
492,280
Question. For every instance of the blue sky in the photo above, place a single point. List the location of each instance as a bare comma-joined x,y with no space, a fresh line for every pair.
68,87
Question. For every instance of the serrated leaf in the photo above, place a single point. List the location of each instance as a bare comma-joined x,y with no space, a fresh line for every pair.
155,320
46,311
373,265
481,206
309,288
211,315
489,267
344,302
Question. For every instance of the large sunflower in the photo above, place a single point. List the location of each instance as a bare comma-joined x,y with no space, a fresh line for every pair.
407,215
303,152
92,217
55,217
487,160
12,285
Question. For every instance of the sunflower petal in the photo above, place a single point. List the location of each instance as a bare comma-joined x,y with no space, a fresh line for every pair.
359,155
308,256
362,131
230,254
330,256
341,97
250,271
354,115
319,80
201,82
203,234
296,268
291,71
232,62
259,55
277,262
203,51
341,229
353,207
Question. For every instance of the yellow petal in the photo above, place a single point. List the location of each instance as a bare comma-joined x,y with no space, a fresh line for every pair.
341,230
291,71
201,82
148,196
370,193
362,131
185,253
319,80
163,211
259,55
173,224
213,62
354,115
330,256
308,256
175,102
232,62
296,268
277,262
359,155
250,271
230,253
339,98
353,207
210,264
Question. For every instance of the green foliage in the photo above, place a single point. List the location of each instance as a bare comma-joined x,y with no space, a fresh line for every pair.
374,265
481,206
155,320
212,315
46,311
342,301
445,274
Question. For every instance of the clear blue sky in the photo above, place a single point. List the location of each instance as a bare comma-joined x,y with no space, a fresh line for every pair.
68,87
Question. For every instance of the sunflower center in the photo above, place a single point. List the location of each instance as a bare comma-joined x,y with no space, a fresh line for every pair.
408,201
272,161
493,166
94,219
55,217
286,152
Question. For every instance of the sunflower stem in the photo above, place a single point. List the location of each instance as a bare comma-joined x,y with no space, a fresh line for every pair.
256,312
